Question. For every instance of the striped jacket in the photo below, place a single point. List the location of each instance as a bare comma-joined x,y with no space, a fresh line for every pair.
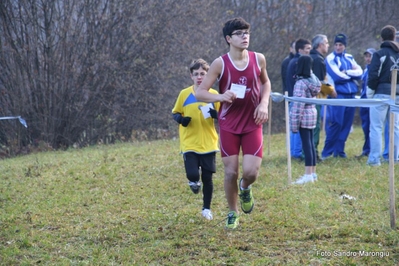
302,114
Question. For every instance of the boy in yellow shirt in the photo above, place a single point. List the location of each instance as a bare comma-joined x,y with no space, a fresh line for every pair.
198,136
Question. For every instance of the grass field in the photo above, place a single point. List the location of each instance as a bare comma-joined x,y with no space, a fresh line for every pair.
129,204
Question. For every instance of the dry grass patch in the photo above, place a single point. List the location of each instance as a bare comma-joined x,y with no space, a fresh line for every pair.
129,204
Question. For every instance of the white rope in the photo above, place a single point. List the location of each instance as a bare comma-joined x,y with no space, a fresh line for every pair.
278,97
21,120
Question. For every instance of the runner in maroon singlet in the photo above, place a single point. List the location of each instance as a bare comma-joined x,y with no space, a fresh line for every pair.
244,88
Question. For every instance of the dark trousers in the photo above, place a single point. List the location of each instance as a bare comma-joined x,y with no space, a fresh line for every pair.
308,146
365,117
339,123
207,162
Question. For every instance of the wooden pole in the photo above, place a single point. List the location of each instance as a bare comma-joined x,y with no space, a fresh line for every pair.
287,140
269,127
391,153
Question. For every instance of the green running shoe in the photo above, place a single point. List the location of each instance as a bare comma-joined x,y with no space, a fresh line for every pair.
232,220
246,199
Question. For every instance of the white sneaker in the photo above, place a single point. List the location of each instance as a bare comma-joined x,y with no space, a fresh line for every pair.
303,179
314,176
207,214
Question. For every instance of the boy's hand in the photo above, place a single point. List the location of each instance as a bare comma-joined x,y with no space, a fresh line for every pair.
185,121
228,96
213,113
261,114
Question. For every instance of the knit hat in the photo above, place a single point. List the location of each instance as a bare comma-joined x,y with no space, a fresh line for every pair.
340,37
371,51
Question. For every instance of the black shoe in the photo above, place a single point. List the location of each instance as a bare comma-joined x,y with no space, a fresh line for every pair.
195,187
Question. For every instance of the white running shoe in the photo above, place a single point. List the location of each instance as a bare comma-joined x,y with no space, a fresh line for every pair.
207,214
304,179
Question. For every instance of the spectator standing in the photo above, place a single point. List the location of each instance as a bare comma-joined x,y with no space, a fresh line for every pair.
320,47
379,87
342,72
364,111
302,47
284,65
303,115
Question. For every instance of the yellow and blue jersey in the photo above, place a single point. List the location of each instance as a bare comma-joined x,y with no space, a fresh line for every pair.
200,135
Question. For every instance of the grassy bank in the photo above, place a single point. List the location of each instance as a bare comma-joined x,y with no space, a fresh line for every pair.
129,204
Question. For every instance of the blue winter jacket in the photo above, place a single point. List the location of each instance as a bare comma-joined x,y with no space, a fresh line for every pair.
342,71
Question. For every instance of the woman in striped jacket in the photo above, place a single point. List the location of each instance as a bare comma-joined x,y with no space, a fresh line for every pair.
303,115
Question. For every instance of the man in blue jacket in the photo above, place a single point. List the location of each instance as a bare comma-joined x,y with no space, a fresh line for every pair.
364,111
342,73
379,87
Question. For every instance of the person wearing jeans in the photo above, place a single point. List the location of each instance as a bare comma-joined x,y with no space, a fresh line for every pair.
378,117
379,87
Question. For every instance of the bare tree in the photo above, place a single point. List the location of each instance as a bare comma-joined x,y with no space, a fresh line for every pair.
88,71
